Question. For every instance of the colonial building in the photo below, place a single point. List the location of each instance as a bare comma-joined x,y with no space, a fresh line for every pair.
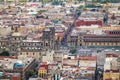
48,37
18,44
11,43
31,48
110,38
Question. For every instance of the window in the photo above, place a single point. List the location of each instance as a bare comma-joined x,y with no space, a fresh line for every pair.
33,53
13,49
41,44
23,44
69,57
46,44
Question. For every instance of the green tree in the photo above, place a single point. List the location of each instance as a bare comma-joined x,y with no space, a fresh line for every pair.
73,51
31,72
84,9
23,0
5,53
80,7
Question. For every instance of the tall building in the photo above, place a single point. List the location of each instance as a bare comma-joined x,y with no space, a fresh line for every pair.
48,36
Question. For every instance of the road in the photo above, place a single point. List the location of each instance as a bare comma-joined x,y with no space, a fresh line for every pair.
71,26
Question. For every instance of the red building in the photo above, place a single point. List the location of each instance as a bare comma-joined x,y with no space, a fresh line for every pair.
88,22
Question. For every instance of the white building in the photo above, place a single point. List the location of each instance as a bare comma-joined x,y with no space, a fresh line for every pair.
48,57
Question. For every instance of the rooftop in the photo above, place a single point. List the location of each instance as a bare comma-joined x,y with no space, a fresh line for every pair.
9,63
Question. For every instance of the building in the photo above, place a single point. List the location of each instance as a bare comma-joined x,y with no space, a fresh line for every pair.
88,18
31,48
17,44
43,71
58,56
88,67
99,40
111,68
13,65
70,61
104,38
48,36
9,76
52,66
88,23
48,57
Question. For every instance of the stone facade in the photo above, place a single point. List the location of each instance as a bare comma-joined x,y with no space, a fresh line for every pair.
111,38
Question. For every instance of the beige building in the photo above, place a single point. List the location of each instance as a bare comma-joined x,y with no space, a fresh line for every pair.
5,31
20,64
31,48
48,57
111,67
53,66
58,56
70,61
19,45
34,54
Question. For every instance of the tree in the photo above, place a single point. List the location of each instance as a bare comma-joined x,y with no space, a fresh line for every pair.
47,17
104,10
5,53
80,7
23,0
73,51
31,72
84,9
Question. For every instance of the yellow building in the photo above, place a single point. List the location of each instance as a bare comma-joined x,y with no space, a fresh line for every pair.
111,75
42,72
